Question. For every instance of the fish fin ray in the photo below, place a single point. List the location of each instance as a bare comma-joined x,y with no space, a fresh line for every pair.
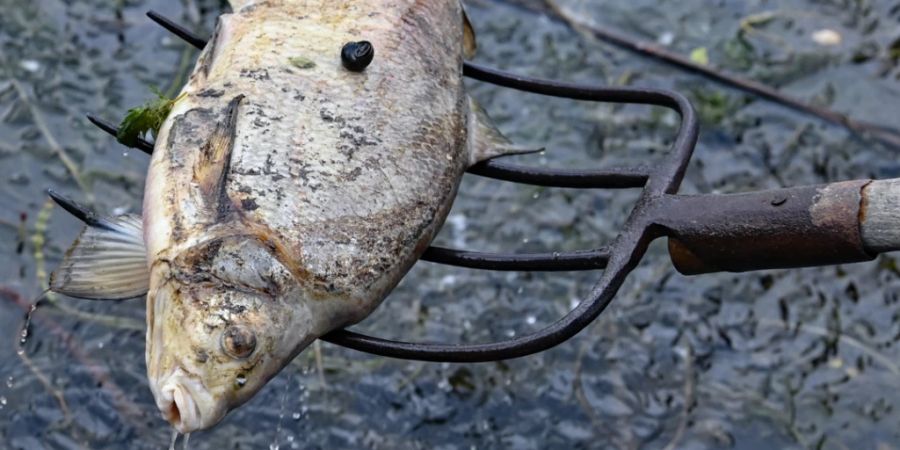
105,263
211,168
486,141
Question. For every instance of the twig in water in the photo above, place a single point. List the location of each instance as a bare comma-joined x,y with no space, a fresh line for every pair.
320,367
20,352
67,161
883,134
688,398
121,401
852,342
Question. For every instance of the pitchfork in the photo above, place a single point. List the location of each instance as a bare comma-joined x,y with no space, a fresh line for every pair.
835,223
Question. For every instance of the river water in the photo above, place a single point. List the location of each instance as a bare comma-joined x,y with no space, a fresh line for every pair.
776,359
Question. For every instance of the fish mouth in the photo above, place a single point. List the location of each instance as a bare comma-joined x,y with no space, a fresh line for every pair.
186,404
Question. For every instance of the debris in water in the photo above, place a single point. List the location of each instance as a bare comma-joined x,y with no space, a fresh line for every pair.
30,65
143,120
700,55
827,36
666,39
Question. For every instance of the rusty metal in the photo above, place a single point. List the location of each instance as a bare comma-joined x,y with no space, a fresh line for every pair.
777,229
783,228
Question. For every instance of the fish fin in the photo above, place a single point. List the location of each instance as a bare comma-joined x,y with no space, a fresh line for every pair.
108,261
486,141
469,44
211,168
236,5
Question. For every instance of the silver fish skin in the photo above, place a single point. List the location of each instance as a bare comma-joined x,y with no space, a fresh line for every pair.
287,195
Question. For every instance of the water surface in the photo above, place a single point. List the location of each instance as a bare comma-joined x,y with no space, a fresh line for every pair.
776,359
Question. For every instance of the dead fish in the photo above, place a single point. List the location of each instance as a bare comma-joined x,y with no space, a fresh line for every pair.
294,183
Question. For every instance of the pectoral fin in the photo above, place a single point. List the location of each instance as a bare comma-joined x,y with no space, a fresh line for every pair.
485,140
107,261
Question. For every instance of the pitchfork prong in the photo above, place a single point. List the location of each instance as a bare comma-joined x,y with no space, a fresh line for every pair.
177,30
80,212
142,144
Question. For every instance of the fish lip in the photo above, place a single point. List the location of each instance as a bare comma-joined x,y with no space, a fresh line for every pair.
185,403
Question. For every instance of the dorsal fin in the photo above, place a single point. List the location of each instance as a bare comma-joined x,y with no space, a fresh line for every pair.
485,140
469,44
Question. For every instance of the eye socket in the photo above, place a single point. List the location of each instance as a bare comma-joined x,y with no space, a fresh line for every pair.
356,56
238,342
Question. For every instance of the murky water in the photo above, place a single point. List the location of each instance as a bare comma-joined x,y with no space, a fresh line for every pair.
778,359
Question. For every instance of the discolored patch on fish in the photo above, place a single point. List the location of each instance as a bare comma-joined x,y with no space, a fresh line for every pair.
212,165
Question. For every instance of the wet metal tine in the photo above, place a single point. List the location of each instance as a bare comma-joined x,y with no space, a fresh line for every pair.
142,145
80,212
544,262
177,30
618,259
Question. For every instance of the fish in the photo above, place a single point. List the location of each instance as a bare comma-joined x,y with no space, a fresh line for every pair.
310,159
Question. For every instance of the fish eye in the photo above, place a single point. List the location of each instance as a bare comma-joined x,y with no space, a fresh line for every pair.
238,342
356,56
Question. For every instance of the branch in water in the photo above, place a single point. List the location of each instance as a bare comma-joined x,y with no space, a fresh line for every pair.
549,8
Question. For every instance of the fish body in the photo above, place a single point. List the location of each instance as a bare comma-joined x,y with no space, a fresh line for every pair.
287,195
334,181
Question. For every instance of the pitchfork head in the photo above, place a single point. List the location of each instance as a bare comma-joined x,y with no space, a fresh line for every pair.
616,259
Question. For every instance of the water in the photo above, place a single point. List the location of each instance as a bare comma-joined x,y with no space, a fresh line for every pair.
778,359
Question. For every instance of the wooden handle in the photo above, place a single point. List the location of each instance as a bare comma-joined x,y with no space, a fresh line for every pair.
781,228
879,216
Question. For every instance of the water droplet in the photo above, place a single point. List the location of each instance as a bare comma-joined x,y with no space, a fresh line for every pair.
525,240
9,382
296,416
2,401
536,195
530,320
510,333
125,153
556,255
273,446
174,438
241,380
20,352
290,438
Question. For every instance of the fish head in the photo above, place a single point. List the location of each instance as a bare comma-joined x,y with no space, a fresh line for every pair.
225,317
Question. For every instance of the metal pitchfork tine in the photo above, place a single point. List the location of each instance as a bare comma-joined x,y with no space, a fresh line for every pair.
791,227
